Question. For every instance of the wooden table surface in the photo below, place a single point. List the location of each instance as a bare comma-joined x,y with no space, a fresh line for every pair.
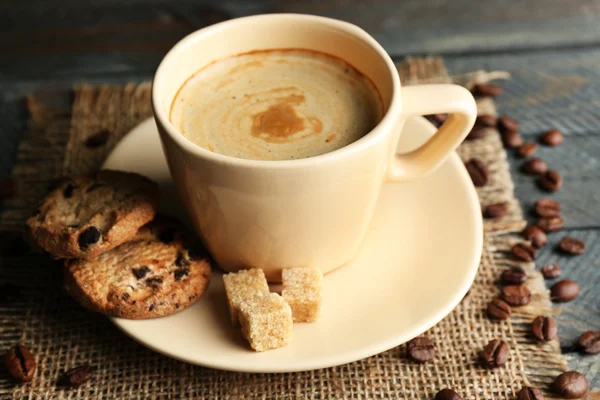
550,47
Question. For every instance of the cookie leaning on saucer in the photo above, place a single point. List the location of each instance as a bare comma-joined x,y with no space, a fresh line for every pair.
84,217
157,273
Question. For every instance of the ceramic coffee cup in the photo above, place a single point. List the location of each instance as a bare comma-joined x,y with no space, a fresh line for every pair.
306,212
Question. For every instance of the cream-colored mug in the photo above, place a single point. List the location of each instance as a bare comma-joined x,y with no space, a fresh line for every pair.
306,212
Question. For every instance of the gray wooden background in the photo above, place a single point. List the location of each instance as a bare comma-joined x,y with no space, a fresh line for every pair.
551,48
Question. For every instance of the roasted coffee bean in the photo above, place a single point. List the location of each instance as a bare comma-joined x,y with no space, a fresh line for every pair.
88,237
535,166
551,224
98,139
495,210
477,132
487,120
8,189
516,295
526,149
447,394
20,363
76,376
552,138
477,171
570,384
495,353
564,291
513,276
547,208
571,245
486,89
544,328
421,349
551,181
530,393
551,271
498,309
536,236
589,342
506,123
512,139
523,252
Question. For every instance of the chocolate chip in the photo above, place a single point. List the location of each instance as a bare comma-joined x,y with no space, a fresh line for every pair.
570,384
8,189
551,224
551,181
68,192
530,393
544,328
154,282
564,291
511,139
571,245
447,394
421,349
495,354
523,252
477,171
498,309
589,342
167,236
140,272
495,210
88,237
506,123
98,139
536,236
176,305
552,138
77,376
20,363
180,261
151,308
486,89
535,166
93,187
516,295
547,208
551,271
526,149
513,276
125,296
181,273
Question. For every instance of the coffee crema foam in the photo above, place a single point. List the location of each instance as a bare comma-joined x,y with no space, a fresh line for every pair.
276,105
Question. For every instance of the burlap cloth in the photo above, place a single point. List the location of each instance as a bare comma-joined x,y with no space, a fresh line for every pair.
63,335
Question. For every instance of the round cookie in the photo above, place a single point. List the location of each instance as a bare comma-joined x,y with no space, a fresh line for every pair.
84,217
155,274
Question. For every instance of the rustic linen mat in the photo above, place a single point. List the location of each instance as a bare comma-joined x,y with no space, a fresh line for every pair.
66,136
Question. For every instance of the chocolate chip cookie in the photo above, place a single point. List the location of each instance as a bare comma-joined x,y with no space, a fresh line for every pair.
157,273
84,217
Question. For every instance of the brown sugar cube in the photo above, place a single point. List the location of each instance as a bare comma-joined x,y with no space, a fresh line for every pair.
243,286
266,322
302,290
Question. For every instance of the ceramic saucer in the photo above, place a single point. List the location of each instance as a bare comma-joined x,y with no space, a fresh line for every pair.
416,264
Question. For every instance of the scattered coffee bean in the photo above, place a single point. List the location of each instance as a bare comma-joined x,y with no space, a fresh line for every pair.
88,237
564,291
534,166
8,189
495,210
523,252
530,393
536,236
589,342
571,245
551,181
552,138
506,123
487,120
486,89
498,309
20,363
76,376
512,139
547,208
551,271
477,171
447,394
477,132
516,295
98,139
495,353
551,224
421,349
513,276
526,149
544,328
570,384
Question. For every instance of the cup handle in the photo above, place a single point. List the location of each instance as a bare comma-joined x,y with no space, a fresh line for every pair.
433,99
